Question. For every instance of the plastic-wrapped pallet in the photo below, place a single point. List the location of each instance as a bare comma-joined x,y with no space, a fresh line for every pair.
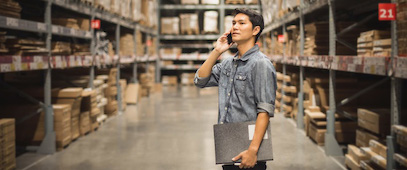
115,6
127,45
125,8
189,1
189,24
210,1
136,10
170,25
211,22
228,22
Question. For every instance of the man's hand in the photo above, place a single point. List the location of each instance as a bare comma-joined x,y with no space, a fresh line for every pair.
249,159
222,43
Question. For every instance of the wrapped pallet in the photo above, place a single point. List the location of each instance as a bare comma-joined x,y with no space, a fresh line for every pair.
136,10
115,6
366,40
209,1
170,25
7,144
189,1
211,22
125,8
127,45
189,24
103,4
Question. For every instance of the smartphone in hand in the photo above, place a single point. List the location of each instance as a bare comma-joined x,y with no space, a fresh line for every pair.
230,38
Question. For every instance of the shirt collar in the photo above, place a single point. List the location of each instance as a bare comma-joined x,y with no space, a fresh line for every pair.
246,55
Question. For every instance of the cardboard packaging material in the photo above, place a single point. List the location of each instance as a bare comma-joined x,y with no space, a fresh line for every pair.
209,1
370,165
211,22
68,93
356,154
132,93
375,120
187,78
189,1
401,132
351,163
378,148
84,123
377,159
189,24
363,137
401,159
170,25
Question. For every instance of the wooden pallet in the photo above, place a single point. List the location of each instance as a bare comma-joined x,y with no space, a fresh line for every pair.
234,1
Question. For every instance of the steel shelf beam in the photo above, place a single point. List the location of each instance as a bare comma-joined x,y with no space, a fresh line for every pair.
189,37
208,46
205,7
308,8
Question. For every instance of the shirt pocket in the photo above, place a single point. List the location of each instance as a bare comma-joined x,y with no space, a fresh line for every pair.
224,79
240,83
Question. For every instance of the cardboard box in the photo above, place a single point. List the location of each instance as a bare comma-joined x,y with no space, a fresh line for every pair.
170,25
211,22
62,112
7,126
378,148
209,1
356,154
376,120
401,159
351,163
84,123
75,127
69,93
319,135
369,165
382,43
75,104
363,137
132,93
377,159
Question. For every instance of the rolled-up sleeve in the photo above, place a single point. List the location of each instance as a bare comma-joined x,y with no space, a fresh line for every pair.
265,85
212,80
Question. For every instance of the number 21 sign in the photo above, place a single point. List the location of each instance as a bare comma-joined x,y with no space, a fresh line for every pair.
387,11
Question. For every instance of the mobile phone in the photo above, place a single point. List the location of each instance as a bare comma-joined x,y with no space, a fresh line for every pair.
230,38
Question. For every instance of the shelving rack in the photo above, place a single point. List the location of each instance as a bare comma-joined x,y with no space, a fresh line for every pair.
393,68
221,8
50,62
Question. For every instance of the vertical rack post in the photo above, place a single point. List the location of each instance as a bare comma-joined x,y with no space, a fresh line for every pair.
284,73
92,50
222,18
300,113
134,77
48,145
395,103
157,47
119,89
332,147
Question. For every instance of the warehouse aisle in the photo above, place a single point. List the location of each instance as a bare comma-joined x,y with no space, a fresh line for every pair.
172,131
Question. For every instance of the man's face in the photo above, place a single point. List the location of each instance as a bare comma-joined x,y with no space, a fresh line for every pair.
242,28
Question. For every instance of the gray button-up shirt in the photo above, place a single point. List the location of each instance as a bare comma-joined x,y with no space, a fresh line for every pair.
247,86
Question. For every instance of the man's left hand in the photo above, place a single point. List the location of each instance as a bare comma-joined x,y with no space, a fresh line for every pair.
249,159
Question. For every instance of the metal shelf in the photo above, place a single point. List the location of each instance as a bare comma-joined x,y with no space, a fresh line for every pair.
31,26
208,46
355,64
295,15
189,37
104,15
203,6
180,67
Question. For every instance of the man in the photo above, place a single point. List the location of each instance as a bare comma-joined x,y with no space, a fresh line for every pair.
247,82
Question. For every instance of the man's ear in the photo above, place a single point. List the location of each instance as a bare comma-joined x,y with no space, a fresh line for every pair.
256,30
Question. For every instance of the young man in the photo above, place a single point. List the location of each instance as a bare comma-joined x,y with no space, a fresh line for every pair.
247,82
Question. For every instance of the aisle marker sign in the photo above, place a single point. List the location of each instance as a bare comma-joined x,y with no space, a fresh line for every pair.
387,11
95,24
281,38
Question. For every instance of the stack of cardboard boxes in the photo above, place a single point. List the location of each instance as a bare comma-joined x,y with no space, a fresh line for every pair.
401,132
287,97
170,25
170,80
354,157
62,126
72,97
123,86
140,46
91,107
373,124
280,78
127,45
187,78
111,107
211,22
99,87
7,144
10,8
189,24
382,48
402,27
367,39
376,155
88,103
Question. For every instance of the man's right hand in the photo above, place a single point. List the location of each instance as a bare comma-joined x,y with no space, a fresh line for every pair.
222,43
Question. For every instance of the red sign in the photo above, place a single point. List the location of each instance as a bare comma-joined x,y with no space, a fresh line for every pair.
95,24
387,11
281,38
149,43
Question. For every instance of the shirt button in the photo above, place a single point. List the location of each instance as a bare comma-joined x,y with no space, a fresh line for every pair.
231,80
235,65
226,108
228,94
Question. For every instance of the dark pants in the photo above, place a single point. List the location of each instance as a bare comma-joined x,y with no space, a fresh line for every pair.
258,166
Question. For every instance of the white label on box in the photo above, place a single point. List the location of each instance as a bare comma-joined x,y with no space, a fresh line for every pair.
5,67
251,132
41,27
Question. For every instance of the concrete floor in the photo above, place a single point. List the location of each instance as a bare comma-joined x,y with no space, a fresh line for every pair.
173,131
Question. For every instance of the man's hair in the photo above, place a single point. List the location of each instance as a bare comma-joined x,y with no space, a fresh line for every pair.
255,18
